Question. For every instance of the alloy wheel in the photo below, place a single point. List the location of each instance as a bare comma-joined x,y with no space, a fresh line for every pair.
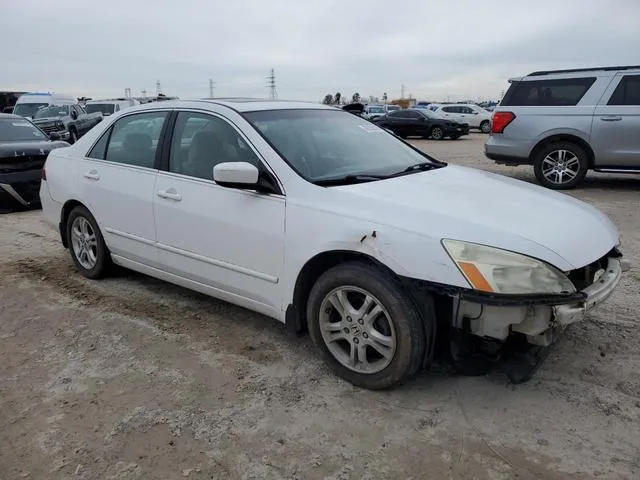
84,242
560,166
357,329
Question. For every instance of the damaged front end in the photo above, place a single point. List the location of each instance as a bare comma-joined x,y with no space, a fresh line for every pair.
481,328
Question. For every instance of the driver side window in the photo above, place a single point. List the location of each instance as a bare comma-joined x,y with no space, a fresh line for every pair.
202,141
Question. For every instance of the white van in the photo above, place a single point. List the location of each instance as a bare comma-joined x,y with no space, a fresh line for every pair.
110,106
29,103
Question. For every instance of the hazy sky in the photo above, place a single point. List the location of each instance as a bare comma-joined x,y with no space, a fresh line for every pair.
457,49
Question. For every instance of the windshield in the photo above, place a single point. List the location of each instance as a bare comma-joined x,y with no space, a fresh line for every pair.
104,108
429,113
28,109
327,144
52,111
19,130
375,109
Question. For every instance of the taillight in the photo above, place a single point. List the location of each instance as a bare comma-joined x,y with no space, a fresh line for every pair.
43,174
500,120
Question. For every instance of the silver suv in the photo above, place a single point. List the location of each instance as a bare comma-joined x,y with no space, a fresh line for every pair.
566,122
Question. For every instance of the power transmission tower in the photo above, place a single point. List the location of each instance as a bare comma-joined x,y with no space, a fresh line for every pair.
271,84
158,88
211,82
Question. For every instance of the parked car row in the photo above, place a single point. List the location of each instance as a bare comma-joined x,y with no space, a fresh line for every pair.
567,122
423,123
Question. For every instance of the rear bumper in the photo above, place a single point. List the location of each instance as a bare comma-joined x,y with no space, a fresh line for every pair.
505,152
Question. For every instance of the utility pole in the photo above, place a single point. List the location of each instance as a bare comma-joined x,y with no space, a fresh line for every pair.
271,85
158,88
211,82
127,93
402,91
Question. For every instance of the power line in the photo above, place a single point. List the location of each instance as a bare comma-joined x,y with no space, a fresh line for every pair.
271,84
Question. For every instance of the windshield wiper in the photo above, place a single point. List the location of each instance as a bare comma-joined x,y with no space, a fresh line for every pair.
349,179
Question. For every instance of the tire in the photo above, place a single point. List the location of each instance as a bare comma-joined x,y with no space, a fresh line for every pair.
437,133
398,325
455,137
96,259
485,126
73,136
551,158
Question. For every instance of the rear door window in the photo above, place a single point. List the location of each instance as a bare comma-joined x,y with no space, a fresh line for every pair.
547,93
627,92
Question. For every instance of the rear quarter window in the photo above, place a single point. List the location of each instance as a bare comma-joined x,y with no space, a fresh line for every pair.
547,93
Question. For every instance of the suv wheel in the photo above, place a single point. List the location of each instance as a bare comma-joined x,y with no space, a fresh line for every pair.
365,327
561,166
485,126
437,133
86,245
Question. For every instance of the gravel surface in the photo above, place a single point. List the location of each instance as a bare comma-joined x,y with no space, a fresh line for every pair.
131,377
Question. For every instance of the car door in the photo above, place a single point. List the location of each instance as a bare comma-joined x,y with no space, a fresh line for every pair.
616,124
470,116
451,113
417,123
117,183
229,240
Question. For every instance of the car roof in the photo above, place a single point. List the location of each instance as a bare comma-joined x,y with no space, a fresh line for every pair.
240,105
10,115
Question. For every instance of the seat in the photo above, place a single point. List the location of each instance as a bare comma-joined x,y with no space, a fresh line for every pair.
137,148
206,151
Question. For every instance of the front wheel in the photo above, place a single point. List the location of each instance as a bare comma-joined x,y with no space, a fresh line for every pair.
366,327
561,166
86,244
437,133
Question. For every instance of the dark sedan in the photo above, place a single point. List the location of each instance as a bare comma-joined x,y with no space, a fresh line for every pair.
23,150
421,123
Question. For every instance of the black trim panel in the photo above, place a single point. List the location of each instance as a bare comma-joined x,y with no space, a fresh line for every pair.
507,160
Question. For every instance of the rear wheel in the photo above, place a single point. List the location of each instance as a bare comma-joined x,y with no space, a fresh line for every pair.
437,133
485,126
561,166
365,327
86,244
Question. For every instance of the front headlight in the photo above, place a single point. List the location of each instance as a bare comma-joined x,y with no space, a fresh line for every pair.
494,270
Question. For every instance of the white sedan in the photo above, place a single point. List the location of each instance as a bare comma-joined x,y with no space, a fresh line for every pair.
324,221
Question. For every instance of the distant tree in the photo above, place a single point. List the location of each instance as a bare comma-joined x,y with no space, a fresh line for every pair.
355,98
328,99
337,97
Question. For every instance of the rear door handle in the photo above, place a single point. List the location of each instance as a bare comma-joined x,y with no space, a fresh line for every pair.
170,194
612,118
92,175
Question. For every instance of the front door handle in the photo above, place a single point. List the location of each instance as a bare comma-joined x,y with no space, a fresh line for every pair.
170,194
92,175
611,118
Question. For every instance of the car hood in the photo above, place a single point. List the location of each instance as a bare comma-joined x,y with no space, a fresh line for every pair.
476,206
28,149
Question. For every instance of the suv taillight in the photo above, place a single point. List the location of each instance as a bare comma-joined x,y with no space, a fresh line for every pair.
500,121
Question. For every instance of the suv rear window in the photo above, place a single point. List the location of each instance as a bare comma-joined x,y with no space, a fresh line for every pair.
539,93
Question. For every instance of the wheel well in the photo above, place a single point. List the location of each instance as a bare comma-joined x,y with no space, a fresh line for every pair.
296,315
66,210
564,138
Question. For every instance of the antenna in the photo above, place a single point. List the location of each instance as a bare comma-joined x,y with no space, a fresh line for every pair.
271,84
158,88
211,83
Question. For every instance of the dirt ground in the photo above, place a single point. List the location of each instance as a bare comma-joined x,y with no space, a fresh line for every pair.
133,378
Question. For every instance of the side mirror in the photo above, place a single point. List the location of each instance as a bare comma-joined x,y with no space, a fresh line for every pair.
54,136
236,174
475,113
74,114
